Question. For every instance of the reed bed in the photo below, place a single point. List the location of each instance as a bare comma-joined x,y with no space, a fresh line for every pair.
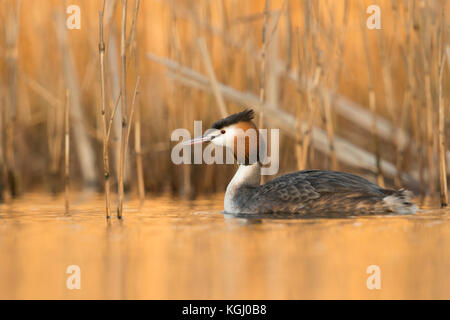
373,102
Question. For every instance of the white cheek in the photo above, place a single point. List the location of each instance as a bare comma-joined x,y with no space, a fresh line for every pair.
225,140
228,138
219,141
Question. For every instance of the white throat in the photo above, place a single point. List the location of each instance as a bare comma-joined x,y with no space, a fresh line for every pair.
249,175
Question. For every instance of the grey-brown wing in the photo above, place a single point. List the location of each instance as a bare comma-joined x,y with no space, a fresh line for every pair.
338,182
295,192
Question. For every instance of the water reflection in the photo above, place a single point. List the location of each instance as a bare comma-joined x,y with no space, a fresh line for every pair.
174,249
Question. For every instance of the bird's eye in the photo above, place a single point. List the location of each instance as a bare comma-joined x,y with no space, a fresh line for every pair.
222,131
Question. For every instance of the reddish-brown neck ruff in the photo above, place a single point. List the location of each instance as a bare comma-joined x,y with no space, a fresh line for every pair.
246,142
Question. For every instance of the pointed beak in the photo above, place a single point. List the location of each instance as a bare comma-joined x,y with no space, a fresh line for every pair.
197,140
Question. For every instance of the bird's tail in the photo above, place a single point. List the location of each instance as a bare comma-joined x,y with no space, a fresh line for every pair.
400,202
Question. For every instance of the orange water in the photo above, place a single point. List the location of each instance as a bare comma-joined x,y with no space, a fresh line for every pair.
175,249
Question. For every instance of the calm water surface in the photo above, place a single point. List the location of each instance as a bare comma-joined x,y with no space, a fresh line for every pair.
174,249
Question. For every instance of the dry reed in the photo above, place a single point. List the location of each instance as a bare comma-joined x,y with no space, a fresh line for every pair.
137,117
123,99
212,77
67,151
11,59
441,114
372,96
262,76
333,122
106,173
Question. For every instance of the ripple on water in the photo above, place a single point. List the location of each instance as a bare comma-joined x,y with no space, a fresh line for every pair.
172,248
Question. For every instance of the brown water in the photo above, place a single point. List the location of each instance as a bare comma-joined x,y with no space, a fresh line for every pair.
172,249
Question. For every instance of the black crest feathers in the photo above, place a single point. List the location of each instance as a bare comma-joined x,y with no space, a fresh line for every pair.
246,115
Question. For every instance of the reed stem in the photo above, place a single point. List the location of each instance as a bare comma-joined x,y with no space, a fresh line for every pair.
11,59
106,172
67,150
442,149
372,99
212,77
133,103
137,118
124,109
441,116
138,151
262,81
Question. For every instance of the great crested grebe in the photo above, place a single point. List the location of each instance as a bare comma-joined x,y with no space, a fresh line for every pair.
309,192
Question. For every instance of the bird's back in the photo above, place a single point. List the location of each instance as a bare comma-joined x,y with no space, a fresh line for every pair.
321,193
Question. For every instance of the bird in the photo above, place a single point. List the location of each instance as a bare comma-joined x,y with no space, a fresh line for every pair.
306,193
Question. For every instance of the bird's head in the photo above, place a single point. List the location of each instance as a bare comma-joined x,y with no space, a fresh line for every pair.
236,132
